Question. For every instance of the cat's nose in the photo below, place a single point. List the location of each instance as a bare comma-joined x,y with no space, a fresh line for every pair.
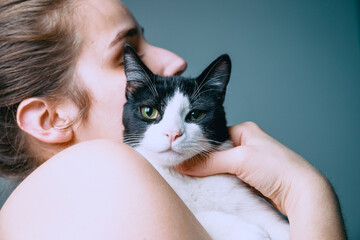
173,135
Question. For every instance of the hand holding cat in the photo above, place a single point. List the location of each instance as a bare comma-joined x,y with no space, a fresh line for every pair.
286,179
258,160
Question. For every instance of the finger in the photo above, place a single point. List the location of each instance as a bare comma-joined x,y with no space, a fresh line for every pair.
236,133
242,133
228,161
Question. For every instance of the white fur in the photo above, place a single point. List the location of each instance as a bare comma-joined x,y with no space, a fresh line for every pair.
223,204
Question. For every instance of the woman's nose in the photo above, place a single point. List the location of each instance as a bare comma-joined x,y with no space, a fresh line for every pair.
166,63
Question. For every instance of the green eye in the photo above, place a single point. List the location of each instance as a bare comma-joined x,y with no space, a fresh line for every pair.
149,112
196,115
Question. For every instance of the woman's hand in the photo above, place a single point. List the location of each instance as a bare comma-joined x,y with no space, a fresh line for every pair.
259,160
286,179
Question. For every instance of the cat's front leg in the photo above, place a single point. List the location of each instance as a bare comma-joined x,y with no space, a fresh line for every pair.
224,226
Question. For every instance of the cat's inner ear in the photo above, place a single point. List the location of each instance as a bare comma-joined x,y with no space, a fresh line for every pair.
137,74
216,76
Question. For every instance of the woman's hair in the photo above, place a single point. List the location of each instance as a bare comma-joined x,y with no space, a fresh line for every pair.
39,46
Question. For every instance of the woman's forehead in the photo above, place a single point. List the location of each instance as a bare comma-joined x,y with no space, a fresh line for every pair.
103,17
101,21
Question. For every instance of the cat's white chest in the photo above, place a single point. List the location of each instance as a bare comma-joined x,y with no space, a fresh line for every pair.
226,207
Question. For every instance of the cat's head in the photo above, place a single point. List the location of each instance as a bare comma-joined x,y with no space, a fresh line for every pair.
171,119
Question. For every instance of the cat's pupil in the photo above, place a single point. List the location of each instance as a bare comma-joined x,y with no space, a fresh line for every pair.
149,112
196,115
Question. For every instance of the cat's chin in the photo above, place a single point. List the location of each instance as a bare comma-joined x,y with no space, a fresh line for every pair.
170,158
166,158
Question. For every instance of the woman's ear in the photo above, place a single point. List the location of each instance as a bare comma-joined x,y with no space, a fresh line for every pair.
42,121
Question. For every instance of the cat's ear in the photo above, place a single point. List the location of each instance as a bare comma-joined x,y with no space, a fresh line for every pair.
137,74
216,76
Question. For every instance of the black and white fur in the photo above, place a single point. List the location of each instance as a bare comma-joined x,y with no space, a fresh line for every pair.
224,205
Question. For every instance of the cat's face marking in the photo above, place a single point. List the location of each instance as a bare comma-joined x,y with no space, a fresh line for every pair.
173,139
171,119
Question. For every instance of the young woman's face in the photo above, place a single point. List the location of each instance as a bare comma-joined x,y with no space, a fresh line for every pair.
106,25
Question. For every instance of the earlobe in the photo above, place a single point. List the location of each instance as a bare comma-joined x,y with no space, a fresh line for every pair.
38,119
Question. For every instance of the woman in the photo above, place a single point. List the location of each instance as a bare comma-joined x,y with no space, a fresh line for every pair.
62,91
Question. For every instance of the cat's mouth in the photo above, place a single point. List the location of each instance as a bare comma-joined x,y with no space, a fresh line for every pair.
170,151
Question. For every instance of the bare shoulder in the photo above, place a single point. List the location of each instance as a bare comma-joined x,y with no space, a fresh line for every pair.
95,190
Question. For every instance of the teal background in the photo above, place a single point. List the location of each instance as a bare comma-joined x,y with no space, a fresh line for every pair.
296,72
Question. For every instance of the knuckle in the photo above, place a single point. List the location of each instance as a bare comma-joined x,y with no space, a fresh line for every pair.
252,128
251,125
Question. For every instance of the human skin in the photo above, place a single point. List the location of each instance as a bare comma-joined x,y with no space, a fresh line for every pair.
286,179
97,190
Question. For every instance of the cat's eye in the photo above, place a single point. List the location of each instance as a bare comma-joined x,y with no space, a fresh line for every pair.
195,115
149,112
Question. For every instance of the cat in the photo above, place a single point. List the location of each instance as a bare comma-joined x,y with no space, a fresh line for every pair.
171,119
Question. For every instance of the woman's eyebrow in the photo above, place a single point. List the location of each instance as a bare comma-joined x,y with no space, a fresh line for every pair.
123,34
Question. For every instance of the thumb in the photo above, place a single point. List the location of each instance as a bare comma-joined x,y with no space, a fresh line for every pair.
228,161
